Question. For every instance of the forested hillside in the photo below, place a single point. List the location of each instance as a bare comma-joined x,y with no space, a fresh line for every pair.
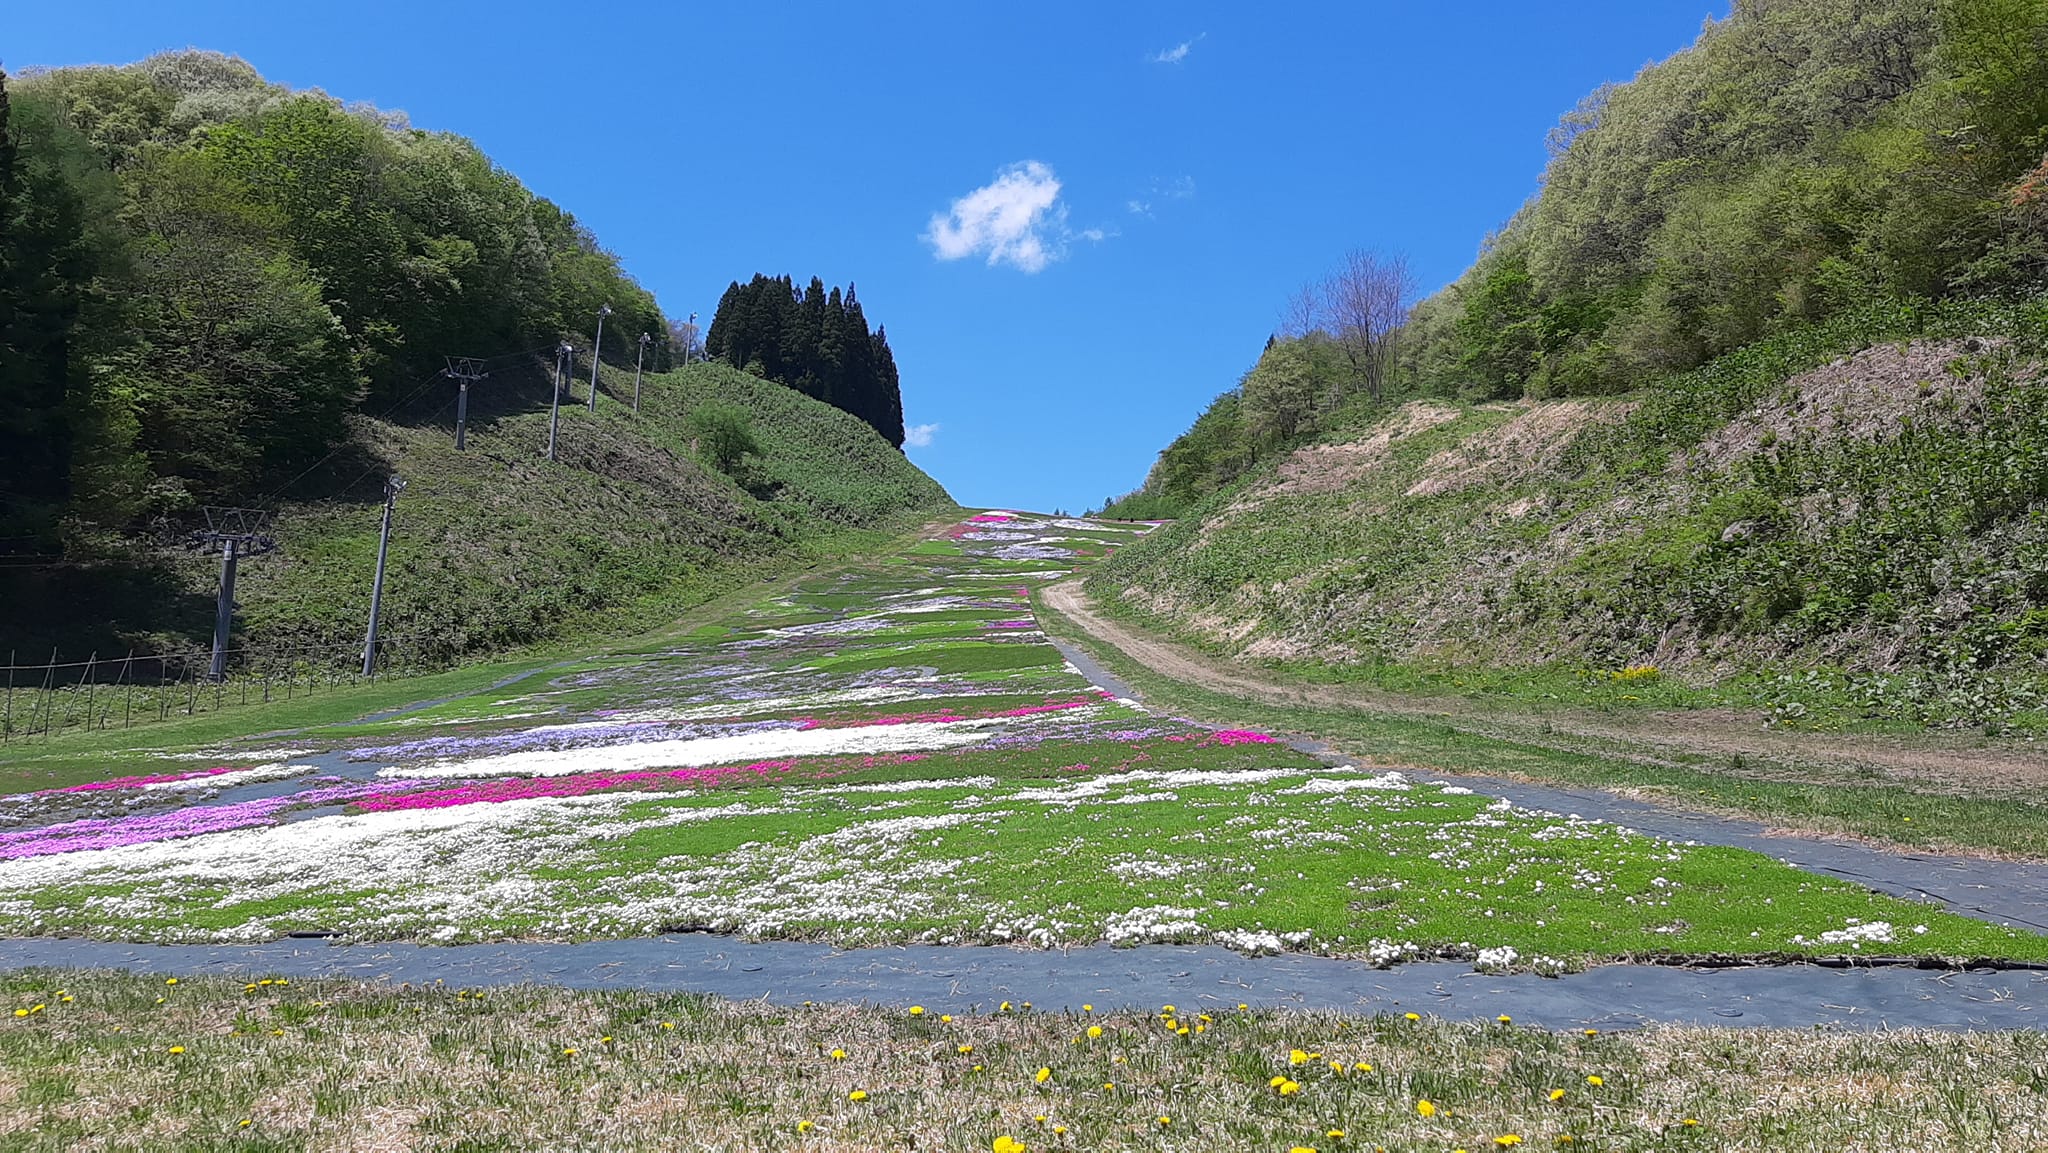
218,291
814,341
1802,159
205,273
1748,398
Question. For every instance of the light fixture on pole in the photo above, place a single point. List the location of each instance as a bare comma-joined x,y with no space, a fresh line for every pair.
596,349
392,487
645,340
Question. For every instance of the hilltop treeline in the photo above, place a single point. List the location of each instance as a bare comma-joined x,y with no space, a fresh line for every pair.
814,340
203,274
1803,159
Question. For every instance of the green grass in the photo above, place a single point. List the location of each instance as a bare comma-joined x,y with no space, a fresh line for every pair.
1822,581
747,771
325,1064
497,550
1806,797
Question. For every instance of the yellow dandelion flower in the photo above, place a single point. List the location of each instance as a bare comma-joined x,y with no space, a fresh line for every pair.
1043,1075
978,1068
1201,1028
1165,1120
1506,1140
857,1095
67,998
804,1126
177,1049
246,1122
965,1049
21,1012
837,1054
1690,1121
917,1010
170,980
1505,1019
1109,1086
1557,1094
1040,1118
606,1040
1087,1008
1241,1006
1277,1081
1005,1007
1303,1149
1297,1057
1426,1107
1362,1067
1337,1067
1412,1016
1027,1004
1058,1129
945,1018
1290,1087
1592,1032
1167,1009
1595,1081
1335,1134
568,1052
1205,1018
1095,1030
1006,1145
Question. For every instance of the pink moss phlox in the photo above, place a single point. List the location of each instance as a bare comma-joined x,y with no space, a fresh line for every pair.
1240,737
190,821
1025,624
138,782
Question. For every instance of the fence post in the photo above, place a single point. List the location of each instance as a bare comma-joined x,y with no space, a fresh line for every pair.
128,705
92,688
8,728
49,675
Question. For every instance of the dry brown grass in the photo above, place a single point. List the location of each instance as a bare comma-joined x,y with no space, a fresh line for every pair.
357,1067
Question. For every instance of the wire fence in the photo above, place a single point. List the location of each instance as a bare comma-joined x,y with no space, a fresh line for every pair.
59,697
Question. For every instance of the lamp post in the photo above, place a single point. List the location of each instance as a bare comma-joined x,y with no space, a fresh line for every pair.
596,351
645,340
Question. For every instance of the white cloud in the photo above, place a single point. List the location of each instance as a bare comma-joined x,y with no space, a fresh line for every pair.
1179,188
1178,52
1096,235
1018,220
919,435
1139,207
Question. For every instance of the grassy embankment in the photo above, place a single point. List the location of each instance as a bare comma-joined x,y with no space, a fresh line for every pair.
1855,547
496,551
340,1065
1625,592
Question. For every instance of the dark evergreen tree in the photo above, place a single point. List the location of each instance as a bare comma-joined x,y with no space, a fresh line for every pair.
815,340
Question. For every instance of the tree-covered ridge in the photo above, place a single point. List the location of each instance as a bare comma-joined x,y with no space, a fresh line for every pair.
203,274
814,340
1802,158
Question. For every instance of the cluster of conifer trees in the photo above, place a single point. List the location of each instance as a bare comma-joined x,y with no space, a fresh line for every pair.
815,341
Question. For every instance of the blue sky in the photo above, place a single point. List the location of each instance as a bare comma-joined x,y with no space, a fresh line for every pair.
1078,221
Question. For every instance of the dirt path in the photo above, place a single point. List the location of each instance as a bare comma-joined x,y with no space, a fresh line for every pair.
1951,763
